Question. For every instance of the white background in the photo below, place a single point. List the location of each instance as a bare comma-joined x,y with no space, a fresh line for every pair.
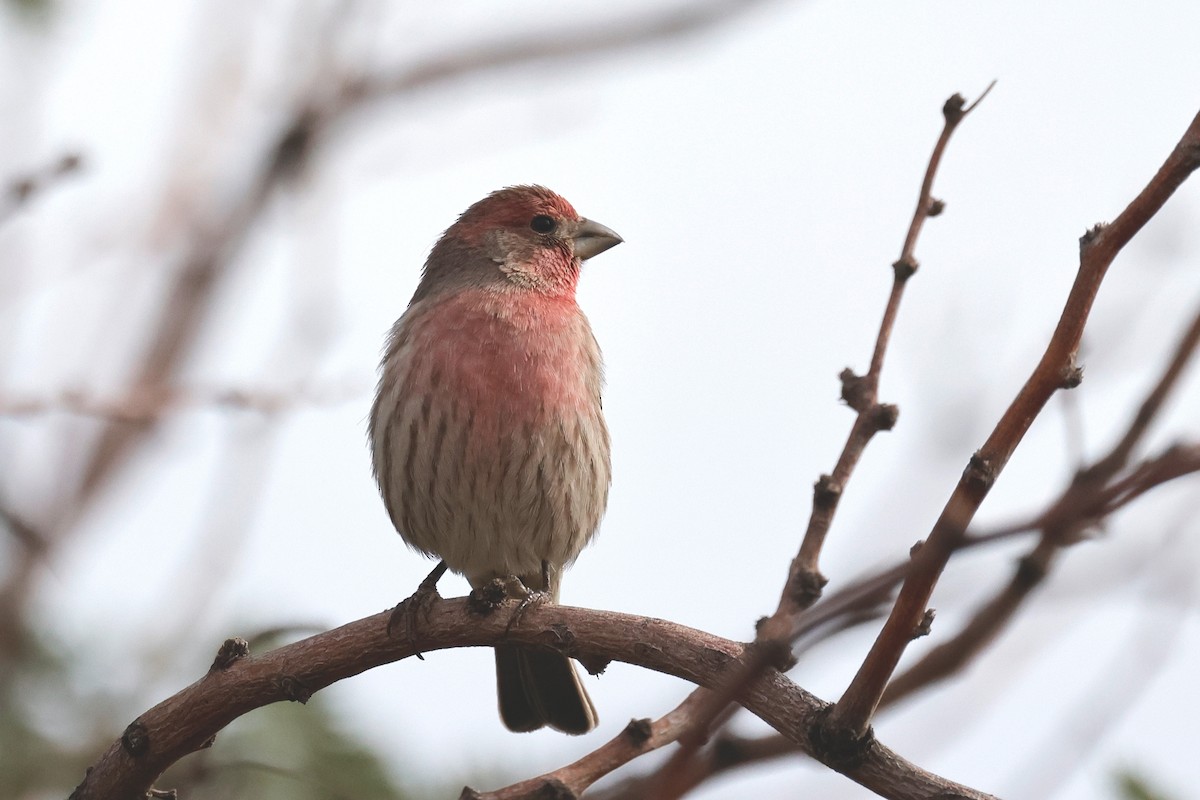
763,174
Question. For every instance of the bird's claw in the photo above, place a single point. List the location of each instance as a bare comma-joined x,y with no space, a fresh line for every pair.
529,598
409,611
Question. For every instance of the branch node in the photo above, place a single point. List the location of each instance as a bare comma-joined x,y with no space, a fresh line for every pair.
638,731
21,189
905,267
826,492
166,794
857,390
926,624
952,110
549,789
884,416
980,471
805,587
136,739
717,659
838,747
292,688
231,650
561,637
776,653
936,207
1071,375
1090,236
295,145
917,545
1030,572
595,665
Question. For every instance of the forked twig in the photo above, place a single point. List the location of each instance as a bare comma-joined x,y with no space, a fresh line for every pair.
861,393
850,718
804,582
1096,492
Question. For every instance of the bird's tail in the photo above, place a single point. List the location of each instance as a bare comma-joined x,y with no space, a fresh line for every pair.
541,687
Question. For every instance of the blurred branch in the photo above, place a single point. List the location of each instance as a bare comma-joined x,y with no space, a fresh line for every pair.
151,403
22,531
13,631
850,718
188,300
591,40
1148,411
1131,670
22,190
237,684
188,303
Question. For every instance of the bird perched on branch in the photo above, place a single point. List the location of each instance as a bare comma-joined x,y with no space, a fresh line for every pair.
487,433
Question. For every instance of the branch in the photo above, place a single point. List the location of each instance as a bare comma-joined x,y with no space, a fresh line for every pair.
1096,492
142,405
575,44
861,393
238,683
22,190
1118,457
851,715
639,737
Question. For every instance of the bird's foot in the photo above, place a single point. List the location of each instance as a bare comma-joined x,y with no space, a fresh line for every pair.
529,598
419,604
485,599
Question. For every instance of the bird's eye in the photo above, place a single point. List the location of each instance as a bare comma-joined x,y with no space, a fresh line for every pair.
543,224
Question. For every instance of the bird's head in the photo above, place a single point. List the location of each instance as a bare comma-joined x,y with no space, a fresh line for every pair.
523,237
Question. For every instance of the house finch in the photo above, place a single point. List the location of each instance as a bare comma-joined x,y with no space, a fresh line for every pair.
489,442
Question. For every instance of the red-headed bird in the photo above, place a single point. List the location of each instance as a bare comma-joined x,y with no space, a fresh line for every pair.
487,432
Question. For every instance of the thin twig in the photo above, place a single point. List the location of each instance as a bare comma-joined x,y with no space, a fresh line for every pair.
639,737
1129,672
861,393
20,191
805,582
150,404
1150,407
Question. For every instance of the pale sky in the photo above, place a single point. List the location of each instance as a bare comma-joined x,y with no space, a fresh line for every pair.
762,176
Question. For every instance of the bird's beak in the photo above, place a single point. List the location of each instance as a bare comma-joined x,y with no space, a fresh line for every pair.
592,239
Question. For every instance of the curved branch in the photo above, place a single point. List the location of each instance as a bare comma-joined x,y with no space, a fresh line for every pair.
238,683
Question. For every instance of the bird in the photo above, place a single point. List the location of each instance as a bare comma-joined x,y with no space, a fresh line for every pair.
487,431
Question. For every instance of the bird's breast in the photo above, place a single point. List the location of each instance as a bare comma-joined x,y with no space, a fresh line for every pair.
509,363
